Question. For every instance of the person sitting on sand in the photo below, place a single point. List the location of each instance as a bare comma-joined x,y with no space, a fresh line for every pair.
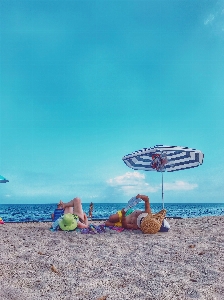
133,220
74,207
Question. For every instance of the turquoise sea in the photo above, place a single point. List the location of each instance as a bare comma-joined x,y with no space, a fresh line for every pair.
42,212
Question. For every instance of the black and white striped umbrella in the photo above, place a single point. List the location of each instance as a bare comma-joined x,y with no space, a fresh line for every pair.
163,158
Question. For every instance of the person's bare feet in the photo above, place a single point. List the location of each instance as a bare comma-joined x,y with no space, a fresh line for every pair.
61,204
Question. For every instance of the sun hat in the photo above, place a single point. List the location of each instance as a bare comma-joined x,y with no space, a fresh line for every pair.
153,222
68,222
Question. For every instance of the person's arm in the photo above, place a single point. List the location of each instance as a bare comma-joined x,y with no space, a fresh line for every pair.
85,219
146,200
81,225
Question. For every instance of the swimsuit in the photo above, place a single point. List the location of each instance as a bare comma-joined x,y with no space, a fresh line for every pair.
128,212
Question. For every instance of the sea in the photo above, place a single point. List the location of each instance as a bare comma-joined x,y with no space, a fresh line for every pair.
101,211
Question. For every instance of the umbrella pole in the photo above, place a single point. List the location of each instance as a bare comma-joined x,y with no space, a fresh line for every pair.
162,190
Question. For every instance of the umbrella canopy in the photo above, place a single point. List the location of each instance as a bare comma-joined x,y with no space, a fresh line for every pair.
163,158
3,179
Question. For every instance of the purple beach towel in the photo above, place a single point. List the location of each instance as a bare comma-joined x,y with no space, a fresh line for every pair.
93,229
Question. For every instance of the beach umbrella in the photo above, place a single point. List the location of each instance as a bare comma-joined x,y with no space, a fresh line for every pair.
3,179
161,158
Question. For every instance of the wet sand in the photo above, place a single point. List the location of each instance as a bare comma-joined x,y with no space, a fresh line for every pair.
185,263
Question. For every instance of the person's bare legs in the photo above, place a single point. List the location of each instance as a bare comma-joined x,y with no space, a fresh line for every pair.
112,220
68,210
75,207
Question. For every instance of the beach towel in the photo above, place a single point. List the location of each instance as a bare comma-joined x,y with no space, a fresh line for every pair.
118,229
55,224
93,229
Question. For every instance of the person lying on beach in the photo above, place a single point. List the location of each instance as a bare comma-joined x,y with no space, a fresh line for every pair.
74,207
132,220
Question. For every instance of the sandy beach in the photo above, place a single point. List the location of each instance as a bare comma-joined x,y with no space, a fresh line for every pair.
185,263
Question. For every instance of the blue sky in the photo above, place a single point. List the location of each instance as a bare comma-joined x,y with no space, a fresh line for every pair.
83,83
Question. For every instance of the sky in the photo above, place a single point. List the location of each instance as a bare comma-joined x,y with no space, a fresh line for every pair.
83,83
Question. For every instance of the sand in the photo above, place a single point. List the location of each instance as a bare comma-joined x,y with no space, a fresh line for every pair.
185,263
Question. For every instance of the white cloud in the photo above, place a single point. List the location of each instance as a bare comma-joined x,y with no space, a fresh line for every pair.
180,186
215,19
129,178
93,196
132,183
128,184
209,20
